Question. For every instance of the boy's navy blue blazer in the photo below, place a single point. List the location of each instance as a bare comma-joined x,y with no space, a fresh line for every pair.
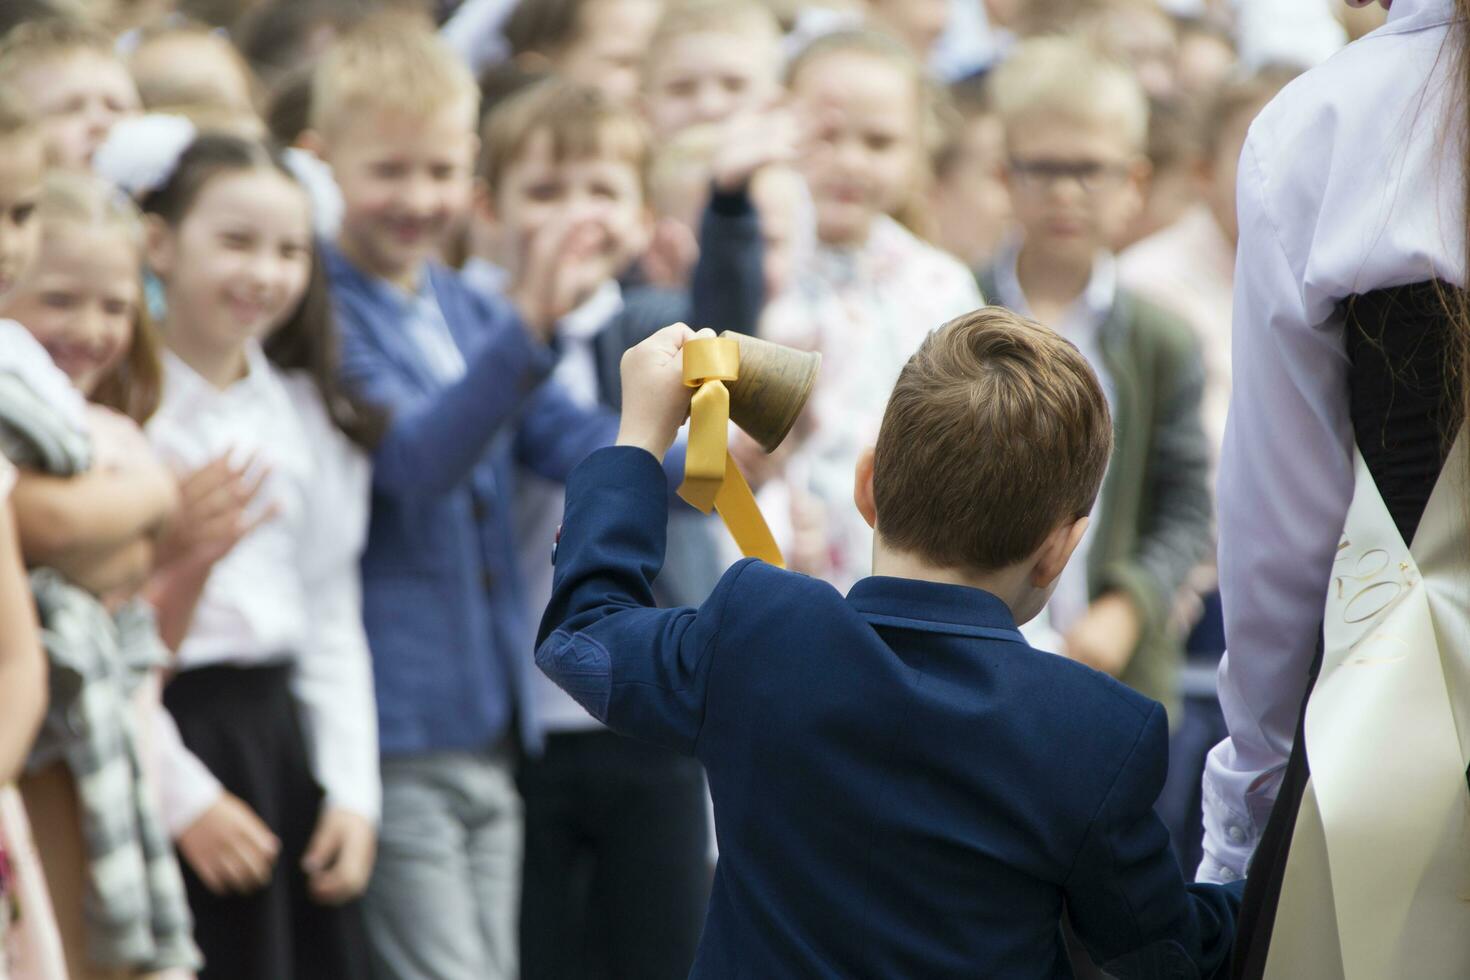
902,787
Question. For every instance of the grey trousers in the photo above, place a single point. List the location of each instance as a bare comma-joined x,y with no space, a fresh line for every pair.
444,896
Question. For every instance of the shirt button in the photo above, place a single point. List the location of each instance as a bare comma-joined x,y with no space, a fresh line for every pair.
1236,835
487,579
478,509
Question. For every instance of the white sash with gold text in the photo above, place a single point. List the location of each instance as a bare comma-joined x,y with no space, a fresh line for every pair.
1377,882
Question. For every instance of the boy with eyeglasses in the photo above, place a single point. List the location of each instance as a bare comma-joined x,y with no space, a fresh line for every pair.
1075,126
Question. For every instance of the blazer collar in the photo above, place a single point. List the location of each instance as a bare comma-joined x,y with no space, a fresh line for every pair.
933,607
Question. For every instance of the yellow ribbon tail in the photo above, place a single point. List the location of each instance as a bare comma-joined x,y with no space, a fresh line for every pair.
737,508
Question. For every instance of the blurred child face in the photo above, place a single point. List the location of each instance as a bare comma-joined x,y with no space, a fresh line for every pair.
971,205
537,189
238,263
862,114
405,183
777,195
78,97
917,23
22,169
609,47
1203,64
80,299
1075,185
1145,40
705,78
201,65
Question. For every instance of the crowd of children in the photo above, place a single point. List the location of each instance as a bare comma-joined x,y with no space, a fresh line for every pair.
310,309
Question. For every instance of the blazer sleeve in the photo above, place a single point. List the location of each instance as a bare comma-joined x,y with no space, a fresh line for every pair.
1126,894
434,439
728,290
641,670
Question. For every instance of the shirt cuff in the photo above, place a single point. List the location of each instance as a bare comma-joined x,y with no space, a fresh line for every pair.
1230,840
187,791
363,802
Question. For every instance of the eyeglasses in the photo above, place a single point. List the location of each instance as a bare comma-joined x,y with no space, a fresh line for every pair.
1090,175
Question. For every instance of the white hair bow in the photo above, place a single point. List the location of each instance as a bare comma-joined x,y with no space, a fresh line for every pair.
140,154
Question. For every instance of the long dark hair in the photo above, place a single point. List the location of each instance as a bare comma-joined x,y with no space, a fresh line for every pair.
307,340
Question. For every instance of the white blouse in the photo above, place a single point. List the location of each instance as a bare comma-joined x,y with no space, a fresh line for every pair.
288,590
1349,182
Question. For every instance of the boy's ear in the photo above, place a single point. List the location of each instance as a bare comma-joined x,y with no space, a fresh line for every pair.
1056,551
159,247
862,490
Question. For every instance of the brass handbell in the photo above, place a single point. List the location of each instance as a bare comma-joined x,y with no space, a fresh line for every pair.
774,385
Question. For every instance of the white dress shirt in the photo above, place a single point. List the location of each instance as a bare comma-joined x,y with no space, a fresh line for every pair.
1349,182
290,589
1082,325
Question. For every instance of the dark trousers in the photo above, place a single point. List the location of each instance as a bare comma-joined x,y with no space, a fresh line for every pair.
616,876
242,723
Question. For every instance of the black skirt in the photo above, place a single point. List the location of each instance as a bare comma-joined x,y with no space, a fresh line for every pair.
1405,412
242,723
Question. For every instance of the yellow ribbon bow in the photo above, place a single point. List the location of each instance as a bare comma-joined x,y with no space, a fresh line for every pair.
711,478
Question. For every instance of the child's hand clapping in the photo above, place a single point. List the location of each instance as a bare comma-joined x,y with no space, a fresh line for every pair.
557,269
212,516
655,398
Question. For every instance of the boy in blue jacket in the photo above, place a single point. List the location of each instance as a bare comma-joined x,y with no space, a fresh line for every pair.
902,787
464,381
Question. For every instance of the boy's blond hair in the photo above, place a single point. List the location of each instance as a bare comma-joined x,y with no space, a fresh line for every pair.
996,434
39,41
393,62
1069,77
162,90
747,20
581,121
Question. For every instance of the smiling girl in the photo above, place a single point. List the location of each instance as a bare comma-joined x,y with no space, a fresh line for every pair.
272,789
90,524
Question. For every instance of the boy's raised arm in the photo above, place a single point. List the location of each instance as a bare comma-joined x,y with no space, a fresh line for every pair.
641,670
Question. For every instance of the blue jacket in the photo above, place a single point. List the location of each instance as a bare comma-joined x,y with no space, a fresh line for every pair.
902,787
441,599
